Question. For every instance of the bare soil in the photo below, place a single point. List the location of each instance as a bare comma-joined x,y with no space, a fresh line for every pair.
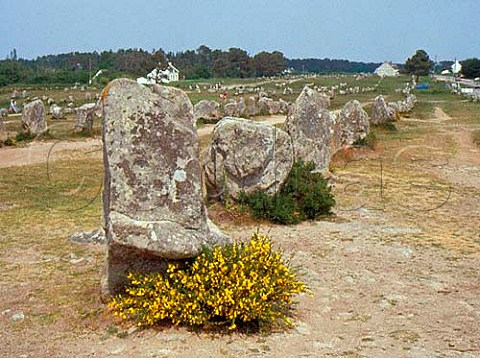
395,272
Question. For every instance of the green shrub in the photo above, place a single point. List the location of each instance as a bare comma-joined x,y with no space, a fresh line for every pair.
304,195
9,142
232,284
368,141
24,137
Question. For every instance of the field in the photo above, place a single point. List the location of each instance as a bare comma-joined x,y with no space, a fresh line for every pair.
394,272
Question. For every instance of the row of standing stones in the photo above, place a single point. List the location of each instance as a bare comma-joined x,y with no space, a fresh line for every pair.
249,156
34,118
153,203
210,110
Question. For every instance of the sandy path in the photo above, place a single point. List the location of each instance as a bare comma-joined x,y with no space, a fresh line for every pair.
40,152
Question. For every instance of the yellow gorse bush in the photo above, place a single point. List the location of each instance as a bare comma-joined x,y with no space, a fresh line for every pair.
237,283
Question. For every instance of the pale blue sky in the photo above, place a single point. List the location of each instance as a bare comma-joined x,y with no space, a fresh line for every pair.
363,30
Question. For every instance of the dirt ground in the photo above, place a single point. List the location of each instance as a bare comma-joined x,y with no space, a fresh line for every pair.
395,272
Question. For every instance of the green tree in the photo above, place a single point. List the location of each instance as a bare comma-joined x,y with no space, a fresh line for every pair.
10,72
419,64
269,64
471,68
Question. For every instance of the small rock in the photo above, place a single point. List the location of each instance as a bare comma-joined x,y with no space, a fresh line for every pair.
19,316
302,328
96,236
406,252
163,352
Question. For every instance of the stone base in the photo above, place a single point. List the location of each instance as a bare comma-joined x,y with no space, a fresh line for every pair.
122,260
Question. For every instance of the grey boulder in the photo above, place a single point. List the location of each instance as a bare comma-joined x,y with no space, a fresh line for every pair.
246,156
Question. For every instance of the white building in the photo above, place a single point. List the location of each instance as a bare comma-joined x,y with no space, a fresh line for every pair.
386,69
456,67
170,74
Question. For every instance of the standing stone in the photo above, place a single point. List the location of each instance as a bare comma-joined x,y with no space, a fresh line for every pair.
268,106
283,106
310,127
241,107
323,100
33,117
246,155
56,111
3,130
350,124
3,113
230,109
208,110
153,202
251,107
84,116
381,112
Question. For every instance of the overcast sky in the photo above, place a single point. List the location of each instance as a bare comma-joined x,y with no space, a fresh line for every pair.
362,30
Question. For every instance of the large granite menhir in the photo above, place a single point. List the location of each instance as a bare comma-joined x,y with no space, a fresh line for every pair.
153,203
310,127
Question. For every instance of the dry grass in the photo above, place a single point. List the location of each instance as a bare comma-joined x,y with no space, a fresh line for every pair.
476,137
43,277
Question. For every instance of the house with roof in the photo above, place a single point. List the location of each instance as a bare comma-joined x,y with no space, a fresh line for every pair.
157,75
386,69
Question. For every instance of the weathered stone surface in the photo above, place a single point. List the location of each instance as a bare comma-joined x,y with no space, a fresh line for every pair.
3,131
251,107
241,107
33,117
96,236
406,105
56,111
322,100
283,106
246,155
230,109
209,110
3,113
84,116
310,127
268,106
350,125
381,112
152,200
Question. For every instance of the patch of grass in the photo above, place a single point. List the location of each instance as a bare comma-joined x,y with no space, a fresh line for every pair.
386,127
422,110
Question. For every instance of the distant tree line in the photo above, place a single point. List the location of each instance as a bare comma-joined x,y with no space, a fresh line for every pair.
202,63
327,65
193,64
